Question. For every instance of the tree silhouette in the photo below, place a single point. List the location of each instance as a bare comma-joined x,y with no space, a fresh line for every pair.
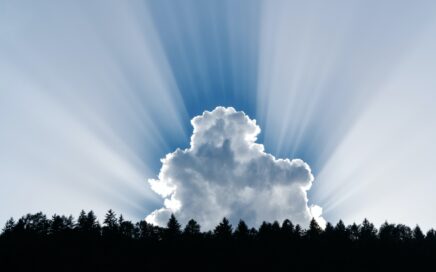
224,230
61,224
241,232
367,231
87,224
431,235
417,234
82,222
276,230
387,232
340,232
111,226
92,223
9,227
173,230
253,232
110,220
265,231
192,229
353,232
329,232
287,229
125,245
403,233
148,231
314,232
36,224
126,228
297,231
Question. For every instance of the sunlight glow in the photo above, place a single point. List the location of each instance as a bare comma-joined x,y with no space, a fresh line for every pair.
84,108
331,92
92,94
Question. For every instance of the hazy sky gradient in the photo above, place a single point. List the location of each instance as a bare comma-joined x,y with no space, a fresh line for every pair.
94,93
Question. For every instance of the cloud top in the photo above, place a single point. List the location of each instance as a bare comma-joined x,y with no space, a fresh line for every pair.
225,173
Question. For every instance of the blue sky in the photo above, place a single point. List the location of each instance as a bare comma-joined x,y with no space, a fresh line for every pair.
94,93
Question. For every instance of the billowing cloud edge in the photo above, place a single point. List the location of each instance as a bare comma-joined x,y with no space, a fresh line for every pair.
225,173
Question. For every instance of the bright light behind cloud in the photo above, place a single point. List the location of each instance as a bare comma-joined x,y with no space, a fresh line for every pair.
85,102
345,85
92,93
225,173
383,169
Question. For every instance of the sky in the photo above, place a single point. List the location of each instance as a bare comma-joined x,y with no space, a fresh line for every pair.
94,93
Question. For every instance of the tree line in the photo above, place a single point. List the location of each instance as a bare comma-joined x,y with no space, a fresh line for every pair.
119,242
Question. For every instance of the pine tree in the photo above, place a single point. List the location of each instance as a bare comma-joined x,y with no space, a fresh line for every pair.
367,231
275,230
93,226
192,229
57,224
314,230
417,234
224,230
297,231
173,230
9,227
69,223
241,231
34,223
126,228
329,232
341,233
148,232
110,220
387,232
265,230
111,225
81,221
353,232
431,236
287,228
403,233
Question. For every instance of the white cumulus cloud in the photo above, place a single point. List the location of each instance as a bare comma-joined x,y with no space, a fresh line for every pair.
225,173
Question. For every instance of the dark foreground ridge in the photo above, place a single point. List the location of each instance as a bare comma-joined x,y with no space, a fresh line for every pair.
61,243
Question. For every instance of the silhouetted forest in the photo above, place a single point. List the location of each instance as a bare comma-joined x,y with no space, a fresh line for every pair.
62,243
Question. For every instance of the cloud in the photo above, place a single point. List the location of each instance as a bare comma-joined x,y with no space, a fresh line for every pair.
225,173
